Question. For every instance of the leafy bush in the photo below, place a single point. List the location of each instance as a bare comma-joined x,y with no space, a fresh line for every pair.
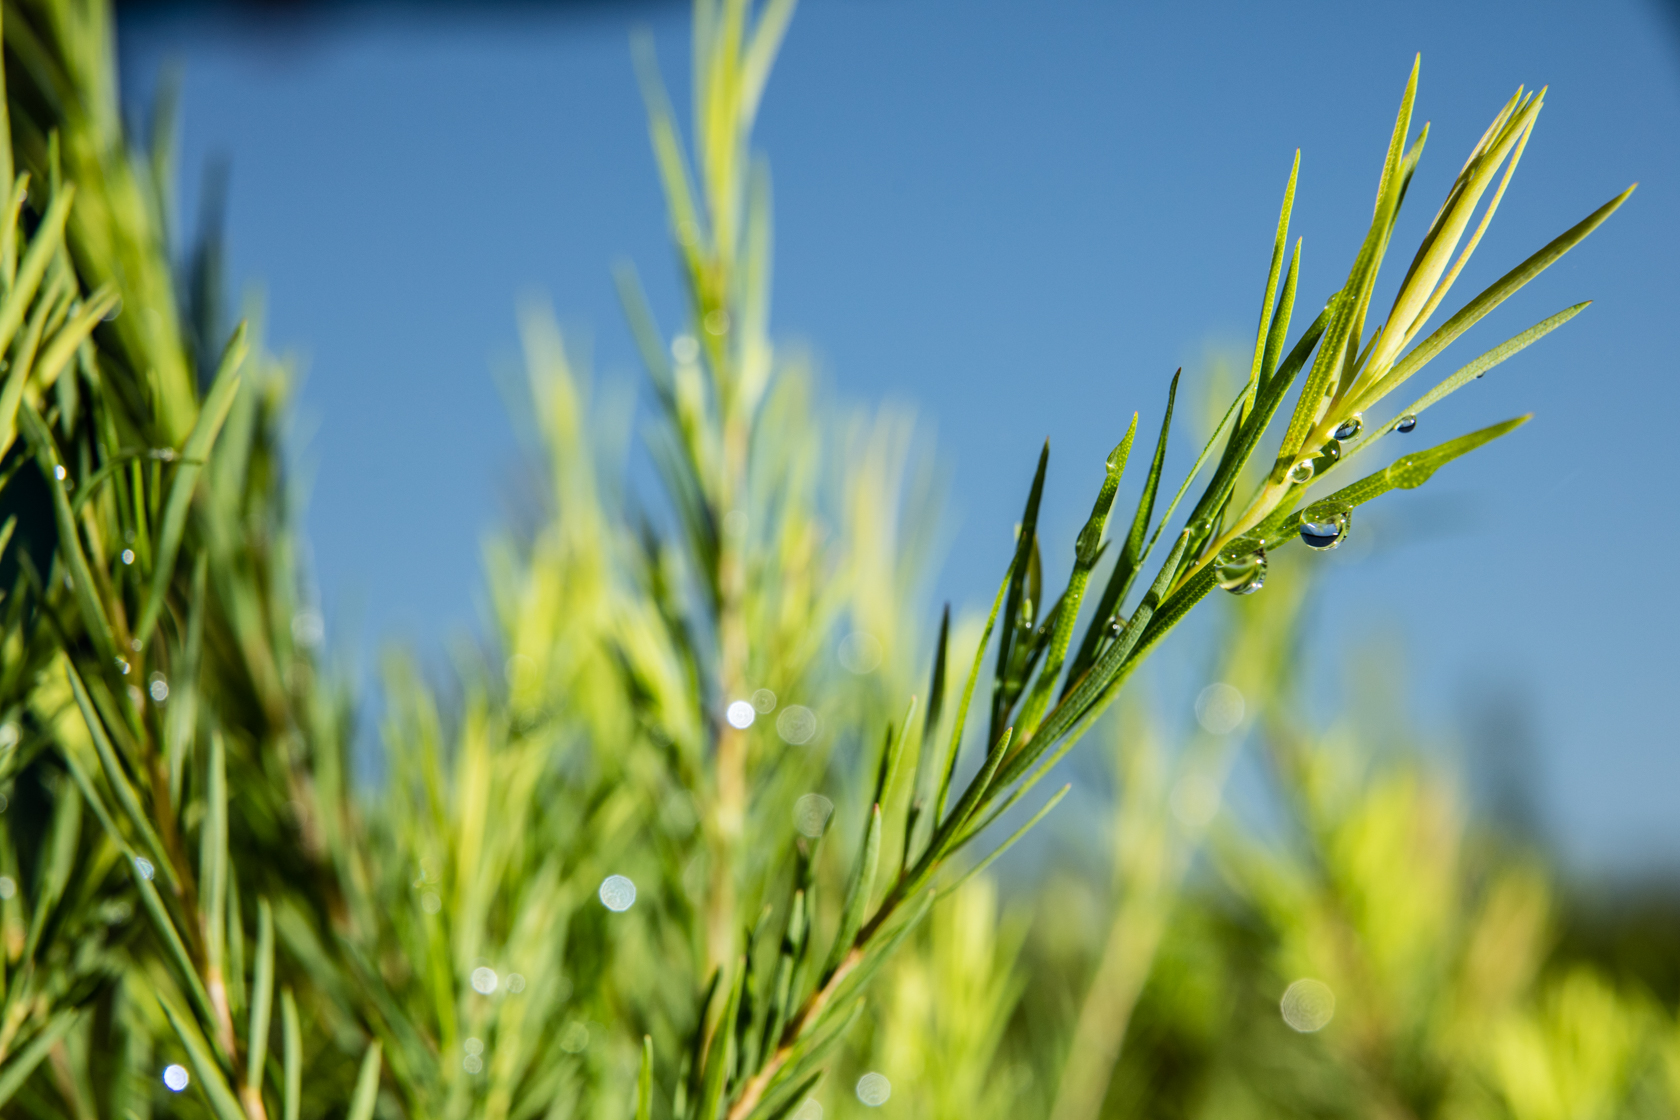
687,825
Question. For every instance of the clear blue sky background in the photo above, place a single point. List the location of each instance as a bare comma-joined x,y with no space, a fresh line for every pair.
1018,217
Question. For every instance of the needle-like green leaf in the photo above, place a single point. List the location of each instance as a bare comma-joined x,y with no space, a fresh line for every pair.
857,894
1341,336
291,1041
1093,689
116,777
1026,543
1190,476
1027,827
1469,373
367,1085
43,246
98,624
968,697
1411,471
20,1065
1257,369
720,1055
1087,548
262,999
207,1072
927,757
1491,297
891,752
1131,556
196,451
644,1081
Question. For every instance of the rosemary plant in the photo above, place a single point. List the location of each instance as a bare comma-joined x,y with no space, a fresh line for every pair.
602,877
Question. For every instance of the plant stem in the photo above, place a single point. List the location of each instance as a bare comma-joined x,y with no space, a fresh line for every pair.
729,807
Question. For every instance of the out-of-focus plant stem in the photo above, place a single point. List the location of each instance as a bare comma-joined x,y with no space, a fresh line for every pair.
729,809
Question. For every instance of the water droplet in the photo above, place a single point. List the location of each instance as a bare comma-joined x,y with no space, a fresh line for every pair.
116,309
741,714
159,688
134,644
1325,529
617,893
1220,708
472,1063
860,652
1195,799
144,867
574,1037
1349,428
1308,1005
811,813
1331,451
308,628
1115,625
59,473
122,666
796,724
1241,568
175,1078
764,701
1407,423
1301,473
474,1046
873,1089
128,556
484,980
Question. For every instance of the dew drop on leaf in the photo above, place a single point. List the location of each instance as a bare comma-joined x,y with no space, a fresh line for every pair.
1325,529
1407,423
1301,473
1349,428
1241,569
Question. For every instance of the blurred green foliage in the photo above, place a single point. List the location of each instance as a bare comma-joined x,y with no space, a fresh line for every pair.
700,827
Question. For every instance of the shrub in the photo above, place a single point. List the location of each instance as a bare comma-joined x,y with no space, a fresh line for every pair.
658,847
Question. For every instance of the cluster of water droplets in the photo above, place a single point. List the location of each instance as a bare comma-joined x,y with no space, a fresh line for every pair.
1305,470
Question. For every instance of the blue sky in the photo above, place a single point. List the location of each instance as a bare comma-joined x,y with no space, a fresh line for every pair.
1017,218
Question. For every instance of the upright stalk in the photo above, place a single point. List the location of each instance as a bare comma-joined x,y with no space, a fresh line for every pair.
728,810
